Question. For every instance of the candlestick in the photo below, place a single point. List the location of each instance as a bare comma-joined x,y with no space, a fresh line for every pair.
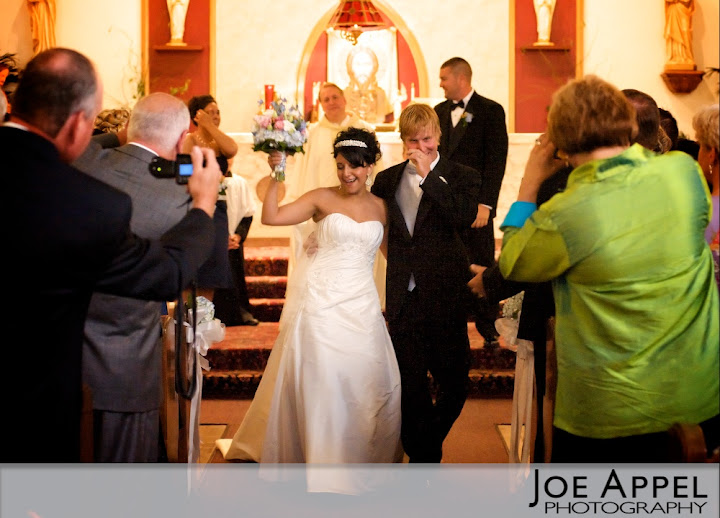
269,95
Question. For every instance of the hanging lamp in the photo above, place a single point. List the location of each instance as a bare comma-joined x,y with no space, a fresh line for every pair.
353,17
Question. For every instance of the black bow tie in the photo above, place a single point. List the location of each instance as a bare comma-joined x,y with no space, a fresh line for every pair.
459,104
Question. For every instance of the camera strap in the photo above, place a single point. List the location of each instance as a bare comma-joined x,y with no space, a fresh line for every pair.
185,379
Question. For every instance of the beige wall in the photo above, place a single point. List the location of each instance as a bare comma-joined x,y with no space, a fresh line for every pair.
108,31
623,43
255,45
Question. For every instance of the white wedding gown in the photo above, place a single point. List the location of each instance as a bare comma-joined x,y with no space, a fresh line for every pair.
330,393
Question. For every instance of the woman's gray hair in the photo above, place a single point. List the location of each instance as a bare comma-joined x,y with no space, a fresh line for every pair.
706,123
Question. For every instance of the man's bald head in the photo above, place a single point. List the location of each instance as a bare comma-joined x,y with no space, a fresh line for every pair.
159,121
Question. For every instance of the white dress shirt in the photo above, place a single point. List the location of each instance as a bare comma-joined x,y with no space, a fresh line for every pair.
408,197
456,114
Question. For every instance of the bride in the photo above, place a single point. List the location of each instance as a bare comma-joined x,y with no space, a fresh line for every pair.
330,393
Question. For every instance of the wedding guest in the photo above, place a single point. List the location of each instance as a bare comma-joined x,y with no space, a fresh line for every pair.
122,350
636,303
430,201
3,107
707,132
73,237
232,305
205,115
319,402
650,132
9,75
669,125
474,134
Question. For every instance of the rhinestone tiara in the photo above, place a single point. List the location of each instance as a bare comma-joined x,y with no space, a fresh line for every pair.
353,143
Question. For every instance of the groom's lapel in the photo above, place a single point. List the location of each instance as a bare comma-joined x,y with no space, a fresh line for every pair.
426,202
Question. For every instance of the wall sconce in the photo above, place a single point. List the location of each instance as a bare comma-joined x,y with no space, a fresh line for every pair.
352,18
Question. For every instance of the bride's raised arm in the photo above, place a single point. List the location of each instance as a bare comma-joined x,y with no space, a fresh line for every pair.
298,211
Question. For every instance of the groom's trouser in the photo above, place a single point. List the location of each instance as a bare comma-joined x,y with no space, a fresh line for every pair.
425,342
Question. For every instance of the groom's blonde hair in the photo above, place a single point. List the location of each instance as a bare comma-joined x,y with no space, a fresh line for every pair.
416,117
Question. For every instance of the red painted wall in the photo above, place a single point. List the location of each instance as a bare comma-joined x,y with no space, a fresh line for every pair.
171,67
540,71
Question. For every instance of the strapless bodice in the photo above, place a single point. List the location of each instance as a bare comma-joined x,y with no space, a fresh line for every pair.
346,252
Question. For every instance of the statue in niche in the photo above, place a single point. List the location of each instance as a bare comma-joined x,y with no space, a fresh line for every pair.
678,33
177,10
42,24
364,96
544,10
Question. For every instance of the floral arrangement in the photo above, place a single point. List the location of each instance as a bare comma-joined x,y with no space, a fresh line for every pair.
280,127
208,329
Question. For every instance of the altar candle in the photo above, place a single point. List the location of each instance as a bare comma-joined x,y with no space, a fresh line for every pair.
269,95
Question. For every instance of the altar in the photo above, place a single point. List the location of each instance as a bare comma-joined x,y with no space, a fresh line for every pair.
253,167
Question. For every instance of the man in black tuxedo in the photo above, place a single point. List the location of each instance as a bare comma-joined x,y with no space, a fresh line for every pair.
70,235
474,134
429,201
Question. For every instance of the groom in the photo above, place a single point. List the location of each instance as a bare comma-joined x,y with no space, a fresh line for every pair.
429,200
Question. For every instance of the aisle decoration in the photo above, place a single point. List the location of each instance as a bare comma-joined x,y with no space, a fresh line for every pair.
208,331
280,127
524,387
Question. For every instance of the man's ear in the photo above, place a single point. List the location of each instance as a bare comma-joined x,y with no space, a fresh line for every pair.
180,144
73,137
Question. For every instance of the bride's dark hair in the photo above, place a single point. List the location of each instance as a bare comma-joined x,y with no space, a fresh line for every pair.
349,144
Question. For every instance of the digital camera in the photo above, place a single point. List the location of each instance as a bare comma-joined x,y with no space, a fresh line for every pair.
181,168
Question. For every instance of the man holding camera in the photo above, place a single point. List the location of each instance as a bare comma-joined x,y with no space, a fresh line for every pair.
69,235
122,349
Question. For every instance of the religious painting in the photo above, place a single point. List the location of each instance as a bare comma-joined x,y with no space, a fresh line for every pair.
368,74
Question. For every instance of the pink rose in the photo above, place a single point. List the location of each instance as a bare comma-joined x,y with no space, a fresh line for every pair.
279,124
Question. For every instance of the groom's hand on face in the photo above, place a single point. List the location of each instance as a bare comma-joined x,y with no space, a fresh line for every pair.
420,160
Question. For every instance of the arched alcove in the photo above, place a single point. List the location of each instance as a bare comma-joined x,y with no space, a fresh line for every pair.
412,72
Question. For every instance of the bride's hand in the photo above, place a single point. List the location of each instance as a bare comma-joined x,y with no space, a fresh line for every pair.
274,159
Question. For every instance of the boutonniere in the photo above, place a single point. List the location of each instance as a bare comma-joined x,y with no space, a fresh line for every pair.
465,119
222,190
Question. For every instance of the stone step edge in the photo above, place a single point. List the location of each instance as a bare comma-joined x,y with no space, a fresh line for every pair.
267,302
275,279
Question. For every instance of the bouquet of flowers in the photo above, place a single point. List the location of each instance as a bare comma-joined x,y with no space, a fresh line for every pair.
279,128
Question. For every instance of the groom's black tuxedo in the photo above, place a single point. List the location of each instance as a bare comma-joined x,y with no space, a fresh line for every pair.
428,326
